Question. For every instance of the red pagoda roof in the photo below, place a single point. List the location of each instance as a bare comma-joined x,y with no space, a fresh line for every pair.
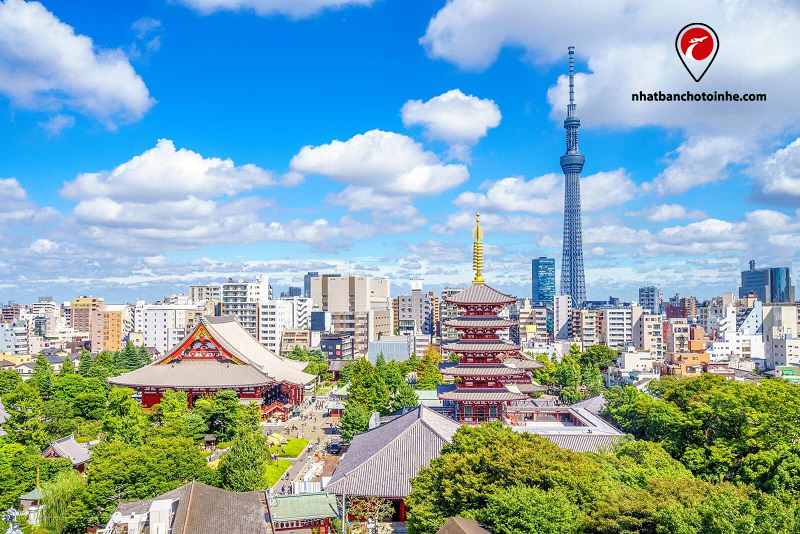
479,345
480,294
482,370
481,321
482,395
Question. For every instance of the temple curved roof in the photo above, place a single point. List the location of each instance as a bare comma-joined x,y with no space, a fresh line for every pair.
259,365
480,294
482,370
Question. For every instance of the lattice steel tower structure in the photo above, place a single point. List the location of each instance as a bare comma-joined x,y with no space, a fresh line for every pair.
572,277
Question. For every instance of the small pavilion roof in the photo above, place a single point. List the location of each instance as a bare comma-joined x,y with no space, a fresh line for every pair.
300,506
480,294
203,509
459,525
381,461
67,447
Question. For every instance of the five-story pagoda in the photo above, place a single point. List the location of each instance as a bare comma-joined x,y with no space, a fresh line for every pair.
482,377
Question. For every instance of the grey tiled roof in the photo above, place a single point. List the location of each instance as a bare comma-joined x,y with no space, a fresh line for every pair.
476,394
480,294
594,404
583,442
205,509
482,345
481,370
487,321
193,374
523,363
458,525
381,461
67,447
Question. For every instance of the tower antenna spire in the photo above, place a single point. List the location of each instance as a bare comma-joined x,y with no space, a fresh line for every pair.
572,274
477,251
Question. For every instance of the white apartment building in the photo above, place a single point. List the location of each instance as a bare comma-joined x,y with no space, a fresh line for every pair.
739,337
617,327
647,332
211,293
782,343
164,325
562,317
416,310
634,368
533,332
243,300
14,337
275,316
301,312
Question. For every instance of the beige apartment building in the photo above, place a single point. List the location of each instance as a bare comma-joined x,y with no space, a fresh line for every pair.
116,324
359,305
647,331
587,326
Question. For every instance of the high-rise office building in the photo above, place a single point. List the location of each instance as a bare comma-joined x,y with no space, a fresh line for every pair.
770,284
650,298
307,283
543,281
572,276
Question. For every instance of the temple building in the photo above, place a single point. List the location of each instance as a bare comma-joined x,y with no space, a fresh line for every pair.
219,354
487,369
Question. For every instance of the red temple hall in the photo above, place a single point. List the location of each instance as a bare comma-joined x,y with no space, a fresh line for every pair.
219,354
484,379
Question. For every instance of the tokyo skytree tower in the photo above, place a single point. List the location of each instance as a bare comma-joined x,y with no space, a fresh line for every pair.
572,277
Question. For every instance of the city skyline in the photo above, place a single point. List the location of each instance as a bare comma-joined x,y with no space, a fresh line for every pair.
328,155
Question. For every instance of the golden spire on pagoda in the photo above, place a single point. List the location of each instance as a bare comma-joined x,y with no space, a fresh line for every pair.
477,251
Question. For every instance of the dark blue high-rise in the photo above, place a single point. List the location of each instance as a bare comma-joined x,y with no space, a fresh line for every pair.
572,276
543,281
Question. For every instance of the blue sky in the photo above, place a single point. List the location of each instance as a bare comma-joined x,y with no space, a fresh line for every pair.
413,116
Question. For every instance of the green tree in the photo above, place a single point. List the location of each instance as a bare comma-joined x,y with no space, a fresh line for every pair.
405,396
368,389
355,419
547,374
18,466
570,395
58,418
9,380
42,376
599,355
411,365
103,366
128,358
568,372
67,367
243,467
85,365
592,379
144,356
365,508
58,496
346,372
24,424
220,413
521,509
428,375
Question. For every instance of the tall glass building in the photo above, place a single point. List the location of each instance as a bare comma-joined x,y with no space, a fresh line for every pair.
770,284
543,285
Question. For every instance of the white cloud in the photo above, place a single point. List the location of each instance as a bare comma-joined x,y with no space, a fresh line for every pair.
453,117
295,9
545,194
145,26
10,189
164,173
365,199
44,64
666,212
778,175
388,162
57,124
699,160
465,221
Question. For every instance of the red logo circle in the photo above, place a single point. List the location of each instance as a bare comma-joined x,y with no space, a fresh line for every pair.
697,43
